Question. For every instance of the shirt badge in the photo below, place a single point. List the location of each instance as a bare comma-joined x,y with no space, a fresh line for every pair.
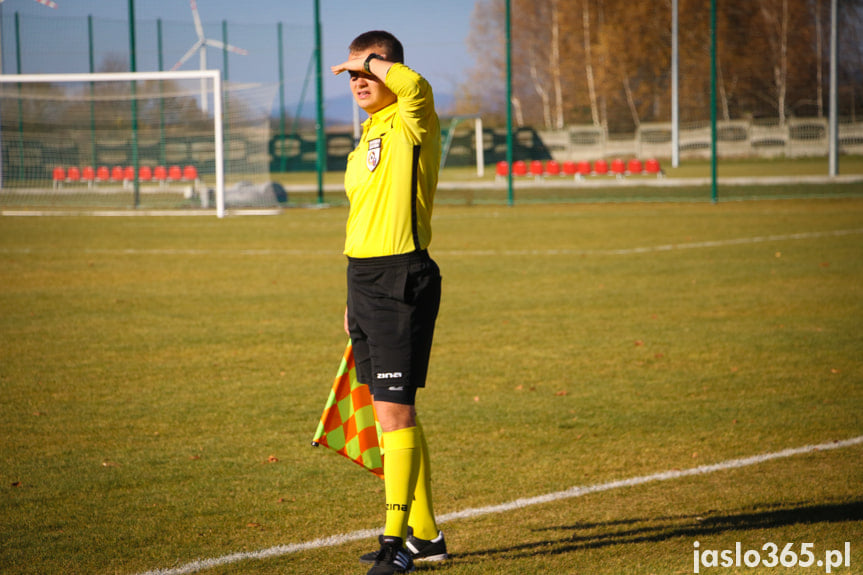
373,158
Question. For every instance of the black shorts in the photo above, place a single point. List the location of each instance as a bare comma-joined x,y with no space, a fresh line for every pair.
393,303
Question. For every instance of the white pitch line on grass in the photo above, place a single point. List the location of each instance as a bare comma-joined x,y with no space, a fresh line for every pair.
659,248
578,491
490,252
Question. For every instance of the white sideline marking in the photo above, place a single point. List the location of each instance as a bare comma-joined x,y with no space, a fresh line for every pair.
660,248
578,491
538,252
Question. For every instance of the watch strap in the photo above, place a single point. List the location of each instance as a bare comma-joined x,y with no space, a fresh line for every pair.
369,58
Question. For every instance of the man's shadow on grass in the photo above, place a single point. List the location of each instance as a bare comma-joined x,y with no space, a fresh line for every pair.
581,536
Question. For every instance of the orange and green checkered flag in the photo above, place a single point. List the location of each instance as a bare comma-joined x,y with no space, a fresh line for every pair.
349,424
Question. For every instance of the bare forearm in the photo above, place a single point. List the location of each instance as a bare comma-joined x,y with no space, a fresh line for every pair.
378,67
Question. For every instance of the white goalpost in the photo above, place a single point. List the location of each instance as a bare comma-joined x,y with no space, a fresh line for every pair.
135,140
466,150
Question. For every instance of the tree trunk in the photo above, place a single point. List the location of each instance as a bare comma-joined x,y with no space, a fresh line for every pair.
630,101
516,107
543,94
783,62
588,64
819,61
777,35
555,65
723,94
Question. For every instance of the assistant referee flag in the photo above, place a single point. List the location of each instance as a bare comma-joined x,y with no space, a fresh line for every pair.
349,425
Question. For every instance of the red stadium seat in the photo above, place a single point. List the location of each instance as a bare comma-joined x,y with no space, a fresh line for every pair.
175,173
600,167
635,166
569,168
160,173
190,173
59,176
583,168
618,167
117,173
502,169
536,168
103,173
519,168
651,166
145,174
129,174
73,174
88,174
552,168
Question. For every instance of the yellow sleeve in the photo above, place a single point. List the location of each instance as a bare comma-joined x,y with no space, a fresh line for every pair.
415,100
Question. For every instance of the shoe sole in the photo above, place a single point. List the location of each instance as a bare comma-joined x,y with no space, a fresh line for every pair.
429,559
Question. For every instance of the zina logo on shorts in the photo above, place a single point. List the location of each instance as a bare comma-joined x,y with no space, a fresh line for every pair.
389,375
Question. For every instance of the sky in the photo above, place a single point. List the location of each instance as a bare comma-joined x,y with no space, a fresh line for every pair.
434,34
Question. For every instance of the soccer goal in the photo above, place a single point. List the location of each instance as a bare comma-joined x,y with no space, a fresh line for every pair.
133,141
464,143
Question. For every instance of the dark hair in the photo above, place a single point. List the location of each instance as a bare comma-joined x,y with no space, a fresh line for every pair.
384,40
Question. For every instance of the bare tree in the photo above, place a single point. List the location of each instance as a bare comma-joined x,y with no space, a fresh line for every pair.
776,20
588,63
539,86
555,64
607,62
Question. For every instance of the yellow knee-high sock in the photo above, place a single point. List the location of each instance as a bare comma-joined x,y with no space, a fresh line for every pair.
422,512
401,467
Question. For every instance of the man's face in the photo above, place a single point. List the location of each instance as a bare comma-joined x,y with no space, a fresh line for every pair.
370,93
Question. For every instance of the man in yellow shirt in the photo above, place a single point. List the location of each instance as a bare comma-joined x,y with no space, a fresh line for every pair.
394,287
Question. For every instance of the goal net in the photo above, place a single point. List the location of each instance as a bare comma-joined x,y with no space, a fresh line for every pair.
134,141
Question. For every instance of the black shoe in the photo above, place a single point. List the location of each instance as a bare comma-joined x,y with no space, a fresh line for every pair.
392,558
418,549
427,550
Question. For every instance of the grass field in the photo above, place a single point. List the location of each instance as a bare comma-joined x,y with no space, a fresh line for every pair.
161,380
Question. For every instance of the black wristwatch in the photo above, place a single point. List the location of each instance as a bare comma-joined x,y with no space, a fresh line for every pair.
369,58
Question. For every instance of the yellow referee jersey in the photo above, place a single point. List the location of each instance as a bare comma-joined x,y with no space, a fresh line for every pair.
391,176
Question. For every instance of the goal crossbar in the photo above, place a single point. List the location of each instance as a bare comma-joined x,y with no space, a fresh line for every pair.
213,75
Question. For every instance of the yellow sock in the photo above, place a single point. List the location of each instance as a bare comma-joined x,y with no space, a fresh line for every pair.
401,467
422,512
